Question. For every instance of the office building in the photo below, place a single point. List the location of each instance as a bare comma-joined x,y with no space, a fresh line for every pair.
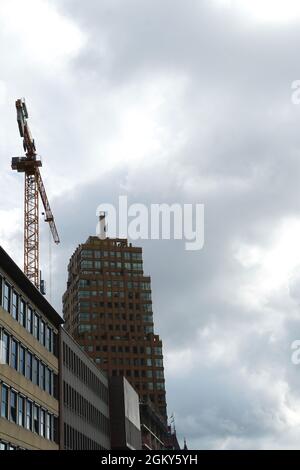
29,363
84,405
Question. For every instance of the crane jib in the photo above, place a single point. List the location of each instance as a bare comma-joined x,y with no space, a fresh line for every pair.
34,186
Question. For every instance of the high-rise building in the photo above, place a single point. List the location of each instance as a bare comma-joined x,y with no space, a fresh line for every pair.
108,309
28,363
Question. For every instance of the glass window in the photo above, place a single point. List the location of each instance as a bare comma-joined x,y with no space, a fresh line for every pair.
83,316
36,326
47,426
5,349
53,428
43,424
35,371
21,411
84,328
36,420
86,264
42,332
48,338
14,354
87,254
158,351
15,305
6,297
148,329
29,415
29,365
42,376
13,406
22,360
160,386
159,374
29,319
4,402
22,313
47,379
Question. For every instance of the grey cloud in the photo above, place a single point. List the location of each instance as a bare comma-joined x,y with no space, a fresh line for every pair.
232,143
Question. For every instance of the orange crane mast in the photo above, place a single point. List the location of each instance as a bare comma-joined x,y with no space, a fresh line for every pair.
34,186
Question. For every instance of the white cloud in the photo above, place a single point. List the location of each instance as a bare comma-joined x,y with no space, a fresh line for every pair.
266,11
40,32
3,92
270,269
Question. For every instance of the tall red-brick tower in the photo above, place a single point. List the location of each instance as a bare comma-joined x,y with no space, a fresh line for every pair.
108,310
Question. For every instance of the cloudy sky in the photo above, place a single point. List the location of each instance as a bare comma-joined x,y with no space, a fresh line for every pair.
176,102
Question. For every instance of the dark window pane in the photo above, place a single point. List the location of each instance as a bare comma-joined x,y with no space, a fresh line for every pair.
29,365
22,360
42,376
6,297
5,348
35,371
13,406
36,321
47,426
42,332
47,380
14,354
43,424
29,415
15,305
29,319
4,402
22,313
36,419
21,412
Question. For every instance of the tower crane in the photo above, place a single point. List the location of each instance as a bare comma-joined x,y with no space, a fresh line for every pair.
30,165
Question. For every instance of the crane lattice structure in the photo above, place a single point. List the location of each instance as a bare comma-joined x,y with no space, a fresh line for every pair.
30,166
